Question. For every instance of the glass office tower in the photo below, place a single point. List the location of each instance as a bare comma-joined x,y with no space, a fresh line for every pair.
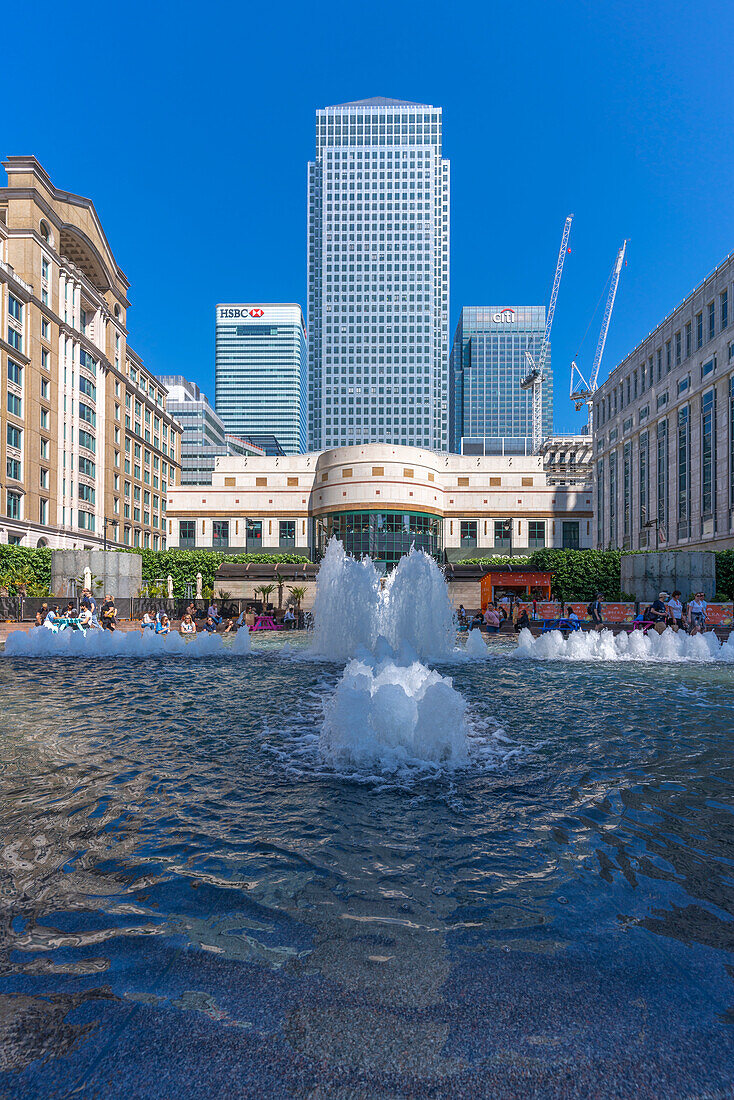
490,413
261,373
204,438
378,276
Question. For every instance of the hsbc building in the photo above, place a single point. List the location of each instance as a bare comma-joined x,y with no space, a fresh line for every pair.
261,389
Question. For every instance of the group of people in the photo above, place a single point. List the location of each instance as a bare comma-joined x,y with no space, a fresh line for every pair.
88,618
507,609
670,611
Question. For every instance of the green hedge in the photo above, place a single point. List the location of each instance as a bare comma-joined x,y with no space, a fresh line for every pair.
26,563
579,574
33,565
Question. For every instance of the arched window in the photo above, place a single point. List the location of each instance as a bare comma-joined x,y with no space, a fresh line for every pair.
46,231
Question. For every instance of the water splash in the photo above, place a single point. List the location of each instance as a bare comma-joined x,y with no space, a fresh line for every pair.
416,609
346,605
390,713
476,645
603,645
352,610
40,642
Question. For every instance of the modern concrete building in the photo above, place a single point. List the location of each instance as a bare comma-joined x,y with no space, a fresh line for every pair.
204,437
664,430
378,276
261,386
86,443
380,500
489,411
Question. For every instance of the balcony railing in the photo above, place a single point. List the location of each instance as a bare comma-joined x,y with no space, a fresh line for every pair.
14,275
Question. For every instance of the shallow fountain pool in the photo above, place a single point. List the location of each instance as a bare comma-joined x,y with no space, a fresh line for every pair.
198,902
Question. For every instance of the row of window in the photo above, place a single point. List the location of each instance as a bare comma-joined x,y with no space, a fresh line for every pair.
658,523
220,533
678,348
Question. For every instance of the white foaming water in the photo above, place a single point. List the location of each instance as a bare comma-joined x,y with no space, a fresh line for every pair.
351,609
415,608
476,645
40,642
603,645
345,608
391,714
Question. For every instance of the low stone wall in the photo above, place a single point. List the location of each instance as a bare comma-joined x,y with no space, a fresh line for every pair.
120,574
644,575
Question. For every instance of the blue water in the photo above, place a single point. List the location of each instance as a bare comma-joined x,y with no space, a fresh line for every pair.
194,904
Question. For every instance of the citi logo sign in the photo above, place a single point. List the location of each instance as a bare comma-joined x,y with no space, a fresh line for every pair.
504,316
233,312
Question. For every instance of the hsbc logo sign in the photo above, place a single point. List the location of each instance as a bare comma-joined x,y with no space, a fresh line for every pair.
233,313
505,316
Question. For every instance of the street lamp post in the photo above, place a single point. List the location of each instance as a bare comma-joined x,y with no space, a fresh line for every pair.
105,523
507,530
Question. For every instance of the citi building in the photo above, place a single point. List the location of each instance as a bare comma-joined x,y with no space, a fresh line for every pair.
378,276
261,373
490,412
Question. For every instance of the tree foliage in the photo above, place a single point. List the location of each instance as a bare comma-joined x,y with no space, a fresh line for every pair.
26,565
725,573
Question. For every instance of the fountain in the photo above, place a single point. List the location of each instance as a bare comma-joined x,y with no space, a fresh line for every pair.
603,645
389,710
475,644
41,642
351,609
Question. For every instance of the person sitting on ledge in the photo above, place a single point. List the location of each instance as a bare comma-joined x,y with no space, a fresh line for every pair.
163,626
213,614
572,617
41,615
523,620
85,618
51,616
210,626
289,619
147,623
188,626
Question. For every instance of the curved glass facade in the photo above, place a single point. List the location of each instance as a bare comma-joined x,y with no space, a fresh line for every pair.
384,536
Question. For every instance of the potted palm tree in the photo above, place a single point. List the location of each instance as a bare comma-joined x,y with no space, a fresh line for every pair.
266,590
298,593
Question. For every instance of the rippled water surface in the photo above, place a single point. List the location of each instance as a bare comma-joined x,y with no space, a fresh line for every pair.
194,904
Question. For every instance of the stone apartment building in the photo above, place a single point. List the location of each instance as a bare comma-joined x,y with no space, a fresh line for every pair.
86,445
664,431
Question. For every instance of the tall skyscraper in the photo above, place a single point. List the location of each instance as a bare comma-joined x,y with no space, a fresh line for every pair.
261,373
378,276
490,413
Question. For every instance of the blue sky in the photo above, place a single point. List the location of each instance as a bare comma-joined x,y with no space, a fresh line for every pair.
190,127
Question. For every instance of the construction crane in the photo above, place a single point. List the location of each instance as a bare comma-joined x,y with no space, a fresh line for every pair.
582,392
534,379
